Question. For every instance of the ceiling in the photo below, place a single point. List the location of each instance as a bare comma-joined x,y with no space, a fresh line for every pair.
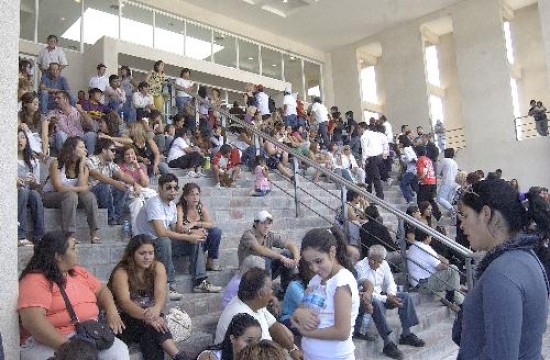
328,24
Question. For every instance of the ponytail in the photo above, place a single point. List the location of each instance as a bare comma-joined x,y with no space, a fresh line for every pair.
323,239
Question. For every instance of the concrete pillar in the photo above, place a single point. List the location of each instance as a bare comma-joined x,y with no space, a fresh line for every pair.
544,13
404,77
9,38
346,81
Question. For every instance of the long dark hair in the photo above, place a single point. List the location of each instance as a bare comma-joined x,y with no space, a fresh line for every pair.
68,152
237,327
43,260
187,188
322,239
28,98
28,156
127,263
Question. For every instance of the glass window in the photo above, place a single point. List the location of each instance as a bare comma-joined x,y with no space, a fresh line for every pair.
27,14
54,19
198,43
367,115
271,63
312,73
368,84
436,109
432,65
102,12
169,33
225,49
137,25
509,42
248,57
293,73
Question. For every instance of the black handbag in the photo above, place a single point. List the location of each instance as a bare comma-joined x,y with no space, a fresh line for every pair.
98,333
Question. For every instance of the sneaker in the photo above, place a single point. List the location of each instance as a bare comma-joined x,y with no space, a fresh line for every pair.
191,174
391,350
173,294
218,186
367,336
206,287
24,242
411,340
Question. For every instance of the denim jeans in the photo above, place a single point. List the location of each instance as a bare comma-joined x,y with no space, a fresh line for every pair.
30,198
445,196
89,138
128,110
181,101
291,120
322,132
276,268
110,198
408,184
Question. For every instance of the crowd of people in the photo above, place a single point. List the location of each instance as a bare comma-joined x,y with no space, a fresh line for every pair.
108,151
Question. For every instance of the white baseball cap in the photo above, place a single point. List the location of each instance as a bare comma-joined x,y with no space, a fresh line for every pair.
262,216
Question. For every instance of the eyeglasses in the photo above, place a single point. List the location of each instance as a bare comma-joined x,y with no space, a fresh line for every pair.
172,187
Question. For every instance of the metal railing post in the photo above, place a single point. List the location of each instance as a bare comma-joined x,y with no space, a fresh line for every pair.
296,201
469,272
402,242
344,196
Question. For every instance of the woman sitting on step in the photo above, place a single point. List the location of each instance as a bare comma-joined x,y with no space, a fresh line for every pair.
67,187
138,283
193,214
243,331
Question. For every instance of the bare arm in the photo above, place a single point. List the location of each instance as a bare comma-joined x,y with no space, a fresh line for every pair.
282,336
105,299
34,321
161,231
58,186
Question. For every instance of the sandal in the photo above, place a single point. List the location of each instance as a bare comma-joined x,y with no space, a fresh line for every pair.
95,240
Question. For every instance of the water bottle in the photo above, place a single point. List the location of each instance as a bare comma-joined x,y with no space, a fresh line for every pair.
367,319
314,298
122,116
206,163
126,230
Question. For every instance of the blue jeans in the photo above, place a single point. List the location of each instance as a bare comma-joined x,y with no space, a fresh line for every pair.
276,268
323,134
181,101
32,199
89,138
128,110
163,253
110,198
406,312
291,120
445,196
408,184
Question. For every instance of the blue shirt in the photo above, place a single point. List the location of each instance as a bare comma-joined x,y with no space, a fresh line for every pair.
293,299
59,83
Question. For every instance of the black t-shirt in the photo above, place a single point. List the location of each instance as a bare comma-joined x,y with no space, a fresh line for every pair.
374,233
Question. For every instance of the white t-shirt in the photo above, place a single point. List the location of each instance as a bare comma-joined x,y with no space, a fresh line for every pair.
100,82
236,306
333,349
140,101
177,149
155,209
54,56
263,103
320,112
388,132
447,170
291,104
427,260
184,83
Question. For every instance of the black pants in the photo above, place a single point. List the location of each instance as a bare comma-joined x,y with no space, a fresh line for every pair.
150,340
428,193
188,161
372,170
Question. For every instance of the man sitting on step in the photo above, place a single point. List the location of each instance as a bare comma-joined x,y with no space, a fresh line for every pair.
281,257
255,291
158,218
373,272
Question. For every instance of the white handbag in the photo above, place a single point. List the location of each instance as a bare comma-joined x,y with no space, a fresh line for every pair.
179,323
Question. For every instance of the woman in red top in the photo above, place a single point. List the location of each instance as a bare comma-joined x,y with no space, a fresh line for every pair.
45,322
427,182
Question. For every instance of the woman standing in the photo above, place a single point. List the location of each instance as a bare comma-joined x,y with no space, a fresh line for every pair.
138,283
67,187
45,321
129,86
193,214
28,185
156,79
504,315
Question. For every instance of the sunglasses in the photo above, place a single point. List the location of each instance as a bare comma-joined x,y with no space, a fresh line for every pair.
172,187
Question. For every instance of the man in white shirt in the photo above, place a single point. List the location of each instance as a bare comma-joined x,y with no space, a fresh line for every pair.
262,101
254,294
143,101
372,147
184,87
373,272
320,119
291,113
51,54
100,80
431,271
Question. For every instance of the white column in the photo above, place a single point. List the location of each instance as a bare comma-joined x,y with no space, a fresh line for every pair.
544,13
9,38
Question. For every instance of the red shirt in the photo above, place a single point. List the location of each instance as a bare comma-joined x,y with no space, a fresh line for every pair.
422,163
227,163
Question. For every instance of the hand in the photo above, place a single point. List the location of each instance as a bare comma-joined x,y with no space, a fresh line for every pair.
79,107
181,229
119,185
151,313
297,354
305,319
197,236
115,322
45,149
393,300
137,188
158,323
24,127
156,170
20,182
103,136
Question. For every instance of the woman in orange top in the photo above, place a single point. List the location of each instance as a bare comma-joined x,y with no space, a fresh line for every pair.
45,322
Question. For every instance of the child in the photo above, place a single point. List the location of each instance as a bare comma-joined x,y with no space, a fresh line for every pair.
261,172
225,166
331,301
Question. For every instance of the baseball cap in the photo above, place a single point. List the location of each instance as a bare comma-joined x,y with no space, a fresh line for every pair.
262,216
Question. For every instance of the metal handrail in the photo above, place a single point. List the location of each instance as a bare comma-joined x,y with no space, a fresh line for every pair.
465,252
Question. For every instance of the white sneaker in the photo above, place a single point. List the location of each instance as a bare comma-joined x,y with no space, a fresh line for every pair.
218,186
206,287
191,174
